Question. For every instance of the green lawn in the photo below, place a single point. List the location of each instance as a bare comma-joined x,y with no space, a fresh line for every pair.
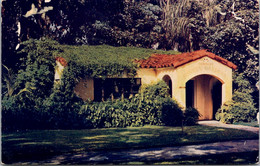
244,158
44,144
253,123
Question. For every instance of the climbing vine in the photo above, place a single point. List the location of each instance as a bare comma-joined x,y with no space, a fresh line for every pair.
107,61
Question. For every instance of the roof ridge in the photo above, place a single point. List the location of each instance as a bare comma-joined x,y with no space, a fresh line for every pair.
176,60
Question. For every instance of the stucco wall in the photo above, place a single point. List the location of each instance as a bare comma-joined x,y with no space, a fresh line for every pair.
201,70
148,75
182,74
199,67
58,70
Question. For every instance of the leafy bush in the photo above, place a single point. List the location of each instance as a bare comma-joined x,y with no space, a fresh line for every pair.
106,114
150,99
36,103
152,105
242,107
172,114
32,86
63,105
191,116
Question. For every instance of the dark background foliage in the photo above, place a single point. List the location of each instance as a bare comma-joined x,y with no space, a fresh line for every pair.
242,107
180,25
227,28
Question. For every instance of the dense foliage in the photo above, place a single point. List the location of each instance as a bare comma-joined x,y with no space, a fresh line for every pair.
191,116
151,106
32,85
63,110
228,28
242,107
36,99
62,106
105,60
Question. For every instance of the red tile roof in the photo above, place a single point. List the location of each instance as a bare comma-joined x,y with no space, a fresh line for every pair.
163,60
62,61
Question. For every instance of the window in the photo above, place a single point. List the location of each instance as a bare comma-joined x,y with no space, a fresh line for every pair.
115,88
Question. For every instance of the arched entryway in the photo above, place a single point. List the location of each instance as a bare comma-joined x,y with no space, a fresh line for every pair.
168,81
204,92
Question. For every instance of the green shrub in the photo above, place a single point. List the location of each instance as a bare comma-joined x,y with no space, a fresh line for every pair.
151,106
172,114
150,100
191,116
63,105
112,114
32,85
242,107
225,113
106,114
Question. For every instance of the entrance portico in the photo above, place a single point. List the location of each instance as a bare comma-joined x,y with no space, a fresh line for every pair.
199,79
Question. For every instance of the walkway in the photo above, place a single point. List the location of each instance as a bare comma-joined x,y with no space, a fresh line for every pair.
219,124
155,154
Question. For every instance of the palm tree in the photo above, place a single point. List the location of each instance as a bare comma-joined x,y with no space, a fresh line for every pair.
176,20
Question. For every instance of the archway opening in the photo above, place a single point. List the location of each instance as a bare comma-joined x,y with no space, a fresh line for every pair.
204,92
168,81
216,96
190,93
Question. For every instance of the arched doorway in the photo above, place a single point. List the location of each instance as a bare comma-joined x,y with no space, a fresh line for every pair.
216,92
168,81
204,92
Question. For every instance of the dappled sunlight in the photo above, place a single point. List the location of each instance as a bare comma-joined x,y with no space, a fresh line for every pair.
49,143
128,133
17,139
35,143
173,129
134,163
202,133
145,135
239,160
133,141
221,129
176,162
7,135
184,140
153,127
96,137
97,142
78,150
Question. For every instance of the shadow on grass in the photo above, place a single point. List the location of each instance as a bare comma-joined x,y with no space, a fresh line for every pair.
244,158
44,144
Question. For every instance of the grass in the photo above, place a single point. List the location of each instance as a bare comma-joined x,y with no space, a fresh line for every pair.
44,144
252,124
244,158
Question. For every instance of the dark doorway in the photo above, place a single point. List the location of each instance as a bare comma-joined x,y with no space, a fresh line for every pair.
168,81
216,96
190,93
204,92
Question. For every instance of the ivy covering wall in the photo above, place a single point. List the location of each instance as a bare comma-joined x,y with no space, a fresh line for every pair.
105,61
37,102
